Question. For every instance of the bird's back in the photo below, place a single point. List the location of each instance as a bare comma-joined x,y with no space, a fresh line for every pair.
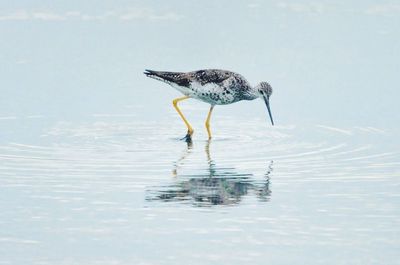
213,86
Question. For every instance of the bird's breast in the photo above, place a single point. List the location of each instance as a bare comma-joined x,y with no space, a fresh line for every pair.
212,93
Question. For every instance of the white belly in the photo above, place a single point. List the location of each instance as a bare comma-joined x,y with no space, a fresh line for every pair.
210,93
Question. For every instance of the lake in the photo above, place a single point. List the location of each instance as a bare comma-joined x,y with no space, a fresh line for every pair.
92,168
120,189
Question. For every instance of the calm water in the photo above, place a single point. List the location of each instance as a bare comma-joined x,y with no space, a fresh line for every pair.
115,189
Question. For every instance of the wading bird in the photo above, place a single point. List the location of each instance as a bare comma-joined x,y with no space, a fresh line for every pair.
213,86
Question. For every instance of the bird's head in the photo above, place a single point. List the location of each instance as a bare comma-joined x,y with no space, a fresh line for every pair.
264,91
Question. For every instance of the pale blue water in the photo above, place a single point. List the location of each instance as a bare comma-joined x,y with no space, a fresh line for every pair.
122,190
91,168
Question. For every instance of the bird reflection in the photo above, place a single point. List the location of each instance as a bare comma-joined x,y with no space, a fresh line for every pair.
217,186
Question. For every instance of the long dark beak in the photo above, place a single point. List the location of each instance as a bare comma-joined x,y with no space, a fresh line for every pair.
266,99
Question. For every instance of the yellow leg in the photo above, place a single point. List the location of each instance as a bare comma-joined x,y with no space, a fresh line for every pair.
208,122
189,127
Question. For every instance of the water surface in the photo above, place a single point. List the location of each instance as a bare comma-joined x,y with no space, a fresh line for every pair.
113,189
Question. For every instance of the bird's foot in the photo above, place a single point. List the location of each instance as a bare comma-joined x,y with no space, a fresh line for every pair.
188,137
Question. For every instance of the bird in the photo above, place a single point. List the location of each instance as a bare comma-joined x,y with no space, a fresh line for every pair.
212,86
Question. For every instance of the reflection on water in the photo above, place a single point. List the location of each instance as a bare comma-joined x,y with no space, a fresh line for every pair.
73,190
218,186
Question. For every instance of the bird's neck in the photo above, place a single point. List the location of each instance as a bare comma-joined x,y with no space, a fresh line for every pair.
251,94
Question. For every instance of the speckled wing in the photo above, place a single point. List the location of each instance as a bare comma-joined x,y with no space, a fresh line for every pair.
217,87
202,77
213,86
210,76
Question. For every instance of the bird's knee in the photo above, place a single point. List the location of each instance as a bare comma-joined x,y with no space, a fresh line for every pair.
175,102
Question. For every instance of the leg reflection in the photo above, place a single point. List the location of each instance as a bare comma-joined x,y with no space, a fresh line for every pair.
180,161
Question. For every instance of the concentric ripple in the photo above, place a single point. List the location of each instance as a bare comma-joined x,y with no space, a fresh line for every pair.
126,187
134,155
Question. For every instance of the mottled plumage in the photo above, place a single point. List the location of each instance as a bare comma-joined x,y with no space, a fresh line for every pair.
214,86
217,87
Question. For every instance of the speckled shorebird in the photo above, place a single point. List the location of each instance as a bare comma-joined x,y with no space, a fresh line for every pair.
213,86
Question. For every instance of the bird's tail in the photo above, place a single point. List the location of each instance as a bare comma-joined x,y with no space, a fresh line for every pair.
168,77
150,73
159,75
